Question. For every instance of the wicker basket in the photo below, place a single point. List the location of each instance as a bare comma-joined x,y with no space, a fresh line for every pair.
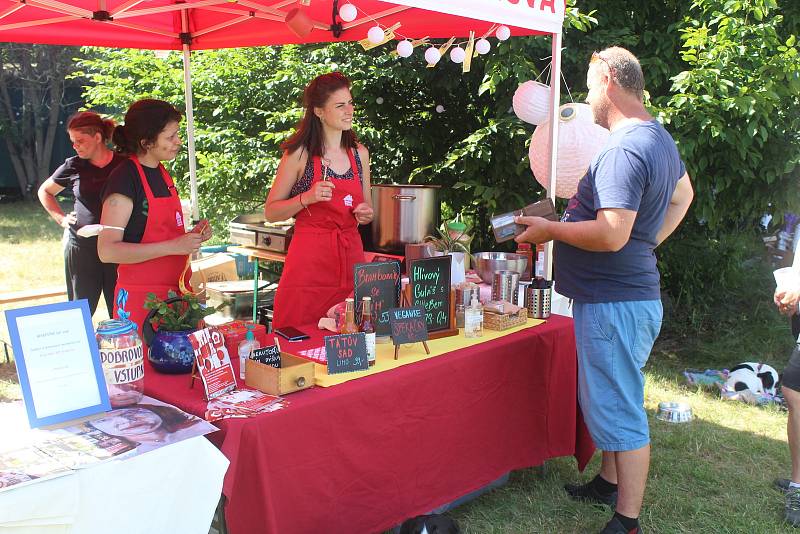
504,321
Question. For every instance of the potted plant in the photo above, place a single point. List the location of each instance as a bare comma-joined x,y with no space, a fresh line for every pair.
167,327
452,239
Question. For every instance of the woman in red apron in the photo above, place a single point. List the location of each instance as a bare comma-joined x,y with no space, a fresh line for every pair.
323,182
153,250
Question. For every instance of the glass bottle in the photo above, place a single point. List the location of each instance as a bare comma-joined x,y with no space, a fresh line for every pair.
368,327
473,319
349,326
524,249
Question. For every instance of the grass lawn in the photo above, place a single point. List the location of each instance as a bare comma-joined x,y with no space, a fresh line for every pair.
711,475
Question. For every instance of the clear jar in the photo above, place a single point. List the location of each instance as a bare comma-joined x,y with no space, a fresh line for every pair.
459,315
123,362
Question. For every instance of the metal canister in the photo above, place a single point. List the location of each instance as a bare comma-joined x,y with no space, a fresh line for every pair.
504,286
539,300
522,293
123,361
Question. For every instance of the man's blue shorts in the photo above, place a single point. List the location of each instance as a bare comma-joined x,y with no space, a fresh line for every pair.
614,340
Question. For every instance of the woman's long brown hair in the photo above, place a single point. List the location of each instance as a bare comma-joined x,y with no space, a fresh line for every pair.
308,132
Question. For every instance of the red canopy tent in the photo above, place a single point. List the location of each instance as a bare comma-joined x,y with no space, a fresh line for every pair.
207,24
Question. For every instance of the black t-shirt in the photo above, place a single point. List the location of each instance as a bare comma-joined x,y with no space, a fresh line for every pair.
87,182
125,181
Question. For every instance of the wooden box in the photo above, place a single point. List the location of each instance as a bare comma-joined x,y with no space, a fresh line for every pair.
295,374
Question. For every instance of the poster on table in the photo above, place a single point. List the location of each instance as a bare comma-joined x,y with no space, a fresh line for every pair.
381,282
58,362
213,362
429,282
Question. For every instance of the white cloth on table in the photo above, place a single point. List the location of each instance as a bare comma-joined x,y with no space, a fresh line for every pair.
173,489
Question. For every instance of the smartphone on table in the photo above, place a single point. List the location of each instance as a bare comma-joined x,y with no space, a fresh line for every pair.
291,333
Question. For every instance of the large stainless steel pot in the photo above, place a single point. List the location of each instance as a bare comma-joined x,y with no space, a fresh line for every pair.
403,214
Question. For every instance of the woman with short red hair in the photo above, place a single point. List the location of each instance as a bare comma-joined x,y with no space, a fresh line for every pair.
86,175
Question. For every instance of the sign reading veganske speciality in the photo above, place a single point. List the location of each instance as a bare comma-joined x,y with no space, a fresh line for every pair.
408,325
429,280
381,282
346,353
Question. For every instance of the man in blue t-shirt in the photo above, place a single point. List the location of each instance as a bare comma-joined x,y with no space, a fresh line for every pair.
633,196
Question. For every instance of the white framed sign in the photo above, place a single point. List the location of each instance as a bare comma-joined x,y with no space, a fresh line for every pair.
58,362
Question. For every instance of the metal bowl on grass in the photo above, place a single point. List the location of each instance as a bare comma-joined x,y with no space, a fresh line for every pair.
674,412
487,263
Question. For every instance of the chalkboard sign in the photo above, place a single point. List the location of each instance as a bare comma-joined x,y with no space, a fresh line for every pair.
429,280
408,325
268,356
381,282
346,353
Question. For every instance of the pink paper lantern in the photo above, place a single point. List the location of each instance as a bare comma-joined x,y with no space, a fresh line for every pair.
531,102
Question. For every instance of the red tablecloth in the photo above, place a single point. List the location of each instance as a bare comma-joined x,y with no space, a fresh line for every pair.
367,454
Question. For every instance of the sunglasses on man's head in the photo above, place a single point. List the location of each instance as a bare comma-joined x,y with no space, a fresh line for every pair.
597,57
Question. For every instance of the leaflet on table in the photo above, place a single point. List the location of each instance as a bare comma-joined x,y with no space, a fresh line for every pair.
243,403
32,455
20,467
58,362
213,362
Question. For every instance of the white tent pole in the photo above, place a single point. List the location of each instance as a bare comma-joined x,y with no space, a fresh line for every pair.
555,100
187,87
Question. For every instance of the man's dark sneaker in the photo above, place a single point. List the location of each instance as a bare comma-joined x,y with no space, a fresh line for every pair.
782,484
792,509
587,492
615,527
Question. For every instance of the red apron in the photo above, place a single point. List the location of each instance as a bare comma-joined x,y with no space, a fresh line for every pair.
318,272
159,275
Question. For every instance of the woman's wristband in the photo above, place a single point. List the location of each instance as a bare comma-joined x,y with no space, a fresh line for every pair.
300,197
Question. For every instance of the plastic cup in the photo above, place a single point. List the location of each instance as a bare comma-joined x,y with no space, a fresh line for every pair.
787,279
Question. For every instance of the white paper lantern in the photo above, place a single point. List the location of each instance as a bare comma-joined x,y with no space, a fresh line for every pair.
405,48
457,55
483,46
348,12
379,100
440,109
375,35
503,33
531,102
582,112
432,55
579,141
